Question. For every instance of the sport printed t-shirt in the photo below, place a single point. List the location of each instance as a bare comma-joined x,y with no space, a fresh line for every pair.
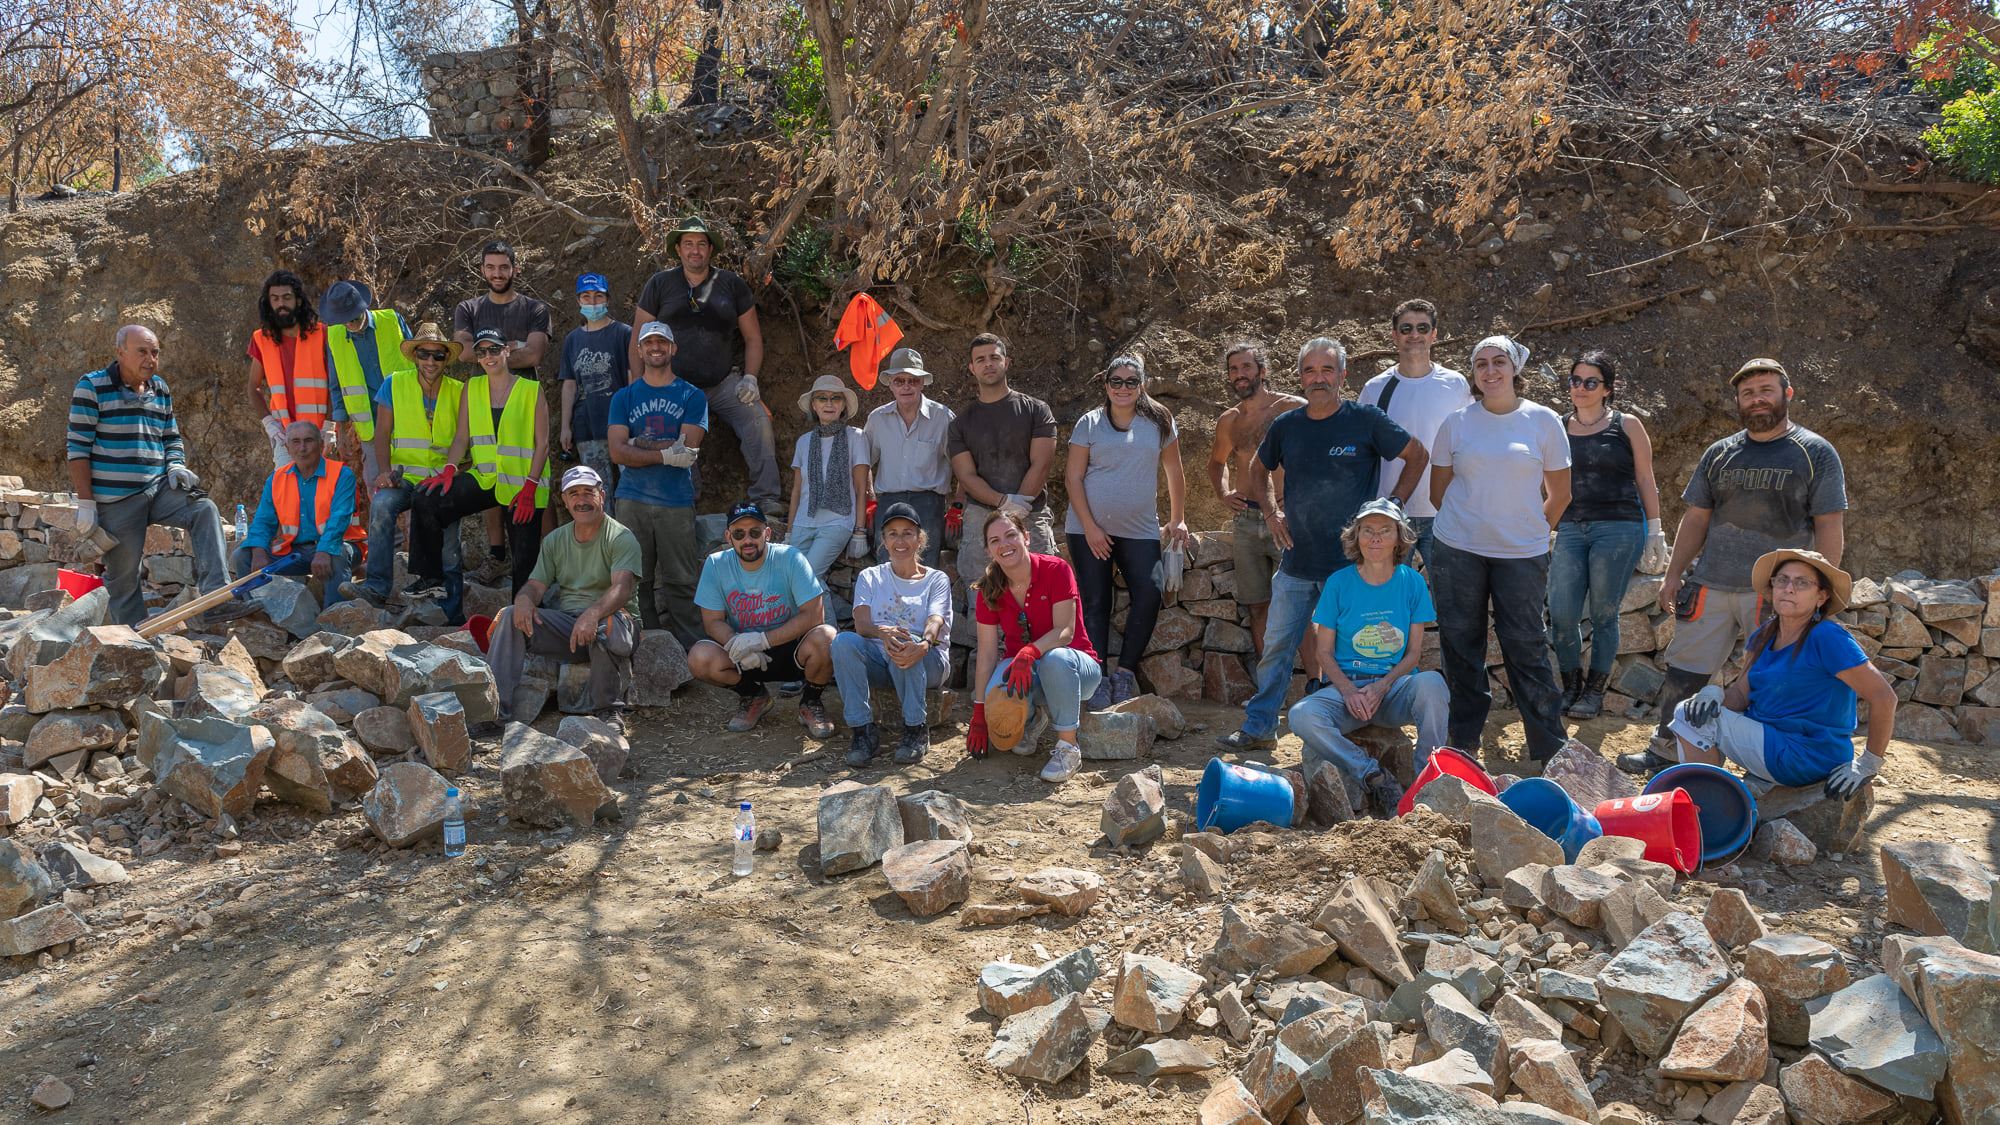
1420,406
1050,582
1806,709
905,603
1122,482
1762,495
1371,624
1331,465
653,417
1494,505
756,600
599,361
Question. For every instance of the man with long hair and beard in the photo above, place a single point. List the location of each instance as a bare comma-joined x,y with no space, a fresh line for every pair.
1238,433
289,364
1771,485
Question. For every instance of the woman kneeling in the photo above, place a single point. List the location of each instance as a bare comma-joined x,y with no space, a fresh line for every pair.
901,639
1372,618
1028,606
1789,720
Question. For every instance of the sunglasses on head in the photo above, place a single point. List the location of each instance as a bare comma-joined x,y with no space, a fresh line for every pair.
1589,383
741,534
1413,329
431,353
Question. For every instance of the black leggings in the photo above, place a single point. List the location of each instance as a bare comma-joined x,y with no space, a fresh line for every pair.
1134,558
431,516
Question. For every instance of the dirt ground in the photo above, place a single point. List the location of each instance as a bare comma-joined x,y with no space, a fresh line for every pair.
622,974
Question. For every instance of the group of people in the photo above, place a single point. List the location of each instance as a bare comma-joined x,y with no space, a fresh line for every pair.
1430,501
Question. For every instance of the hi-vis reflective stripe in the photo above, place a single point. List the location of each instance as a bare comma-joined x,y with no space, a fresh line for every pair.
289,530
516,451
408,443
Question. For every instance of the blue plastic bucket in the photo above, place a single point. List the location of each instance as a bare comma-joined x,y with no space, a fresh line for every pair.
1231,796
1723,804
1545,805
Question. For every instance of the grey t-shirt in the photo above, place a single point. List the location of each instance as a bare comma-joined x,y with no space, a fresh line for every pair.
998,435
1763,495
1122,483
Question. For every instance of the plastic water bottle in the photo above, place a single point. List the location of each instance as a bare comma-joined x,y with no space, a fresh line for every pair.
454,824
242,524
746,839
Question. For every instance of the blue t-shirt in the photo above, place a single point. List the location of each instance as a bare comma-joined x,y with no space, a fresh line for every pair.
599,360
1331,468
1371,624
761,599
1807,711
653,417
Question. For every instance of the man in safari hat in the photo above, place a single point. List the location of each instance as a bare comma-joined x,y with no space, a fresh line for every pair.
907,438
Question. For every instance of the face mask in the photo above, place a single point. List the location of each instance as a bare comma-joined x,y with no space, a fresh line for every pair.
595,312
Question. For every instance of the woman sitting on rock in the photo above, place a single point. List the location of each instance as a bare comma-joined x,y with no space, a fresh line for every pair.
1371,619
901,639
1790,718
1028,607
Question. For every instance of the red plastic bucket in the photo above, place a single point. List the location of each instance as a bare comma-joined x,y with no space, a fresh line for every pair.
481,627
1445,760
76,583
1667,822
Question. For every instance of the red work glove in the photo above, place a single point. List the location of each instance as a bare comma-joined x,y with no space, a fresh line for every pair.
524,506
1021,673
954,519
975,732
439,483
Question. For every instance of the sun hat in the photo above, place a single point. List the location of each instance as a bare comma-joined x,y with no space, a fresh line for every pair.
907,361
690,225
1839,585
345,301
827,384
1382,506
1006,718
428,333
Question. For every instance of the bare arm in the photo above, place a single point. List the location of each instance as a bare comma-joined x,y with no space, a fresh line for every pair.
568,411
1873,687
259,402
1830,535
79,478
529,352
1440,480
1170,460
1555,483
1219,455
1642,466
1041,458
463,438
860,494
692,434
976,488
1415,460
618,443
798,490
753,343
716,626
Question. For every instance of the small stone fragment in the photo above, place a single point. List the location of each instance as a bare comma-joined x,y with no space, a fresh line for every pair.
1730,919
1544,1070
1135,809
1201,875
1006,988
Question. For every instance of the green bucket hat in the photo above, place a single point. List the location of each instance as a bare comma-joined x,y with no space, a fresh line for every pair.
690,225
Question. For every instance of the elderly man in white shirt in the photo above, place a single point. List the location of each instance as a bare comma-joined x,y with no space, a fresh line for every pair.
907,436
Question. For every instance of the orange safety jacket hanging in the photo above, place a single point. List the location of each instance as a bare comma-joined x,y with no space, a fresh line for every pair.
303,396
285,500
873,334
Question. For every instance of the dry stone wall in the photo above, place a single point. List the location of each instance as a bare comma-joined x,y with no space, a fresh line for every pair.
492,100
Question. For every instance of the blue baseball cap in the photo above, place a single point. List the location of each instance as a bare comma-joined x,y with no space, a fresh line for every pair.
592,283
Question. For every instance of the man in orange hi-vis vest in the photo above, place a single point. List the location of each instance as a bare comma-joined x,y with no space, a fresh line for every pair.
306,514
289,366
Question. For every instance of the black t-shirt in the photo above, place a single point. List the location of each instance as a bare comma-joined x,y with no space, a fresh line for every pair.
706,338
515,320
999,436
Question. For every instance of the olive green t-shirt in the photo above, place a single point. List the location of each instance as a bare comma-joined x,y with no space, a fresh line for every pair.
582,571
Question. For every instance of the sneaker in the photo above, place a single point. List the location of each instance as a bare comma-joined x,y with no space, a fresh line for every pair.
1101,698
864,746
1244,742
419,589
1386,792
749,709
915,743
493,570
1063,761
813,717
1124,685
1031,735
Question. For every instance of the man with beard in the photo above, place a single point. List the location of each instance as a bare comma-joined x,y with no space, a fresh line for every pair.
1002,446
1771,485
524,323
655,430
593,564
289,362
1418,395
1238,433
765,615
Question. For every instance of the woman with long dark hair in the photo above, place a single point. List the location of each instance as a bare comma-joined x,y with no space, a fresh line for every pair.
1027,606
1611,524
1116,454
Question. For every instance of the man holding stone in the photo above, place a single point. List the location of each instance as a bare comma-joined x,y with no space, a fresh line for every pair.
593,563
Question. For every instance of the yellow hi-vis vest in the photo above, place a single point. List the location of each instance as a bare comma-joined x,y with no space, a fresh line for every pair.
347,367
500,463
419,443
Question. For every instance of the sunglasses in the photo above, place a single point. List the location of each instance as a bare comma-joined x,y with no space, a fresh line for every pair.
488,349
431,354
746,533
1414,329
1588,384
1124,381
1787,582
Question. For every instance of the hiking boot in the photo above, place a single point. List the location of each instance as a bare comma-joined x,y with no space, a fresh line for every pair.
1652,759
915,743
1124,686
363,592
1589,701
1244,742
812,716
1386,792
1063,761
1101,698
864,746
750,708
1572,687
493,570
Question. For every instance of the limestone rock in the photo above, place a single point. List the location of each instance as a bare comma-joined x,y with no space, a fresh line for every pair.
1671,968
108,664
406,805
1166,1056
18,794
39,929
997,913
1249,943
933,815
1779,842
1521,1021
42,636
659,668
549,783
51,1093
310,663
1406,1099
1791,969
1871,1031
1135,811
365,661
1167,720
1628,910
61,732
289,605
1273,1075
1817,1092
1006,989
1455,1023
1153,993
436,722
1115,735
1065,890
1328,1086
213,765
342,704
1432,889
857,825
1367,933
930,876
234,656
1043,1044
313,761
24,882
1231,1103
1502,841
1957,988
1730,919
1456,1069
1453,798
351,618
1576,893
1544,1070
1746,1103
420,669
1724,1040
1936,888
219,692
604,742
1201,875
386,730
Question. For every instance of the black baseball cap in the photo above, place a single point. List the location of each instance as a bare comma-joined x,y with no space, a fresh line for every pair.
488,336
747,510
901,511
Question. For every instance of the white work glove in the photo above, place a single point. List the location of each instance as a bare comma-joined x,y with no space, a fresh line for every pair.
743,645
1653,560
857,544
746,391
754,661
1017,503
678,455
181,477
1172,567
86,516
275,429
1848,779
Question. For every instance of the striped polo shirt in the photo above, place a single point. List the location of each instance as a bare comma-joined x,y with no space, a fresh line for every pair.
128,436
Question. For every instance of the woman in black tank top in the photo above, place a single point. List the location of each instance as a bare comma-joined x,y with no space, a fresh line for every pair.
1612,519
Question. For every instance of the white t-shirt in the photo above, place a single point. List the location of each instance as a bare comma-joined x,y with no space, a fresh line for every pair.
1494,504
857,452
1420,406
905,602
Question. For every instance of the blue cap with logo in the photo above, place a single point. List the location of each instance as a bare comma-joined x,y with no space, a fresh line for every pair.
592,283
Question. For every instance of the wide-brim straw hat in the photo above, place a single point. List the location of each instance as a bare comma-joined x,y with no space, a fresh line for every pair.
1839,586
1006,718
429,333
827,384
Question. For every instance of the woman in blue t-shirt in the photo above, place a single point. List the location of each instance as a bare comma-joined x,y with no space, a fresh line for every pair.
1790,718
1372,618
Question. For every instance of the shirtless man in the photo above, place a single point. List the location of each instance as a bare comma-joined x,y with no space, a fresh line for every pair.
1238,433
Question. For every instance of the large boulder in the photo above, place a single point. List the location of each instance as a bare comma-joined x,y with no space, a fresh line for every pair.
24,882
407,804
605,744
313,762
1956,989
548,782
60,732
858,824
214,765
1935,888
108,664
1725,1040
365,661
420,669
41,637
1871,1031
1670,969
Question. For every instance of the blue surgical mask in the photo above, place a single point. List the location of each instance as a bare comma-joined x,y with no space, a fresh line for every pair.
594,312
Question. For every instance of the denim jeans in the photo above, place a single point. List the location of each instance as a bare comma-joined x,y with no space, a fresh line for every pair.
1463,586
1322,722
822,546
431,517
383,508
1588,572
930,516
1135,559
1063,680
1292,604
126,518
861,664
1422,526
301,568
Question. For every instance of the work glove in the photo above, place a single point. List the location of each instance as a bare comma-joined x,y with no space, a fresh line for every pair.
857,545
1848,779
181,477
1170,570
1016,503
275,429
746,391
1653,560
439,483
1702,712
954,523
1021,673
679,455
524,505
86,516
754,661
744,644
976,743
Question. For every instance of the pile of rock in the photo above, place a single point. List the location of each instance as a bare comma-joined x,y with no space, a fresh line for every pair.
1938,641
38,536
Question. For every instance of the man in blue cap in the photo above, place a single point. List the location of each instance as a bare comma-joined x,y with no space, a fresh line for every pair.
596,364
364,346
